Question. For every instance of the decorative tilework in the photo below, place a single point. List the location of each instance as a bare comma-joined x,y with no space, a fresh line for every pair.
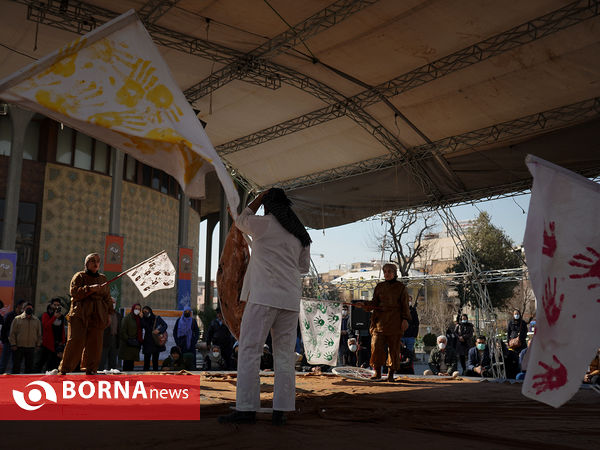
75,219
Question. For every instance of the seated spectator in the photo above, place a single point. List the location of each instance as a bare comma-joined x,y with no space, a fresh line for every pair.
479,363
214,360
351,353
521,375
266,360
174,362
592,376
442,359
407,358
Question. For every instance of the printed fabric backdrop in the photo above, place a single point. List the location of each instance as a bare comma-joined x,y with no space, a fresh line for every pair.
321,324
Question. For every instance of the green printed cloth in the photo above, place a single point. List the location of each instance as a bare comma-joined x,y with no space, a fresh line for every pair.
321,323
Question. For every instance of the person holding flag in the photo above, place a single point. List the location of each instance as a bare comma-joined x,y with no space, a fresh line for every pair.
91,305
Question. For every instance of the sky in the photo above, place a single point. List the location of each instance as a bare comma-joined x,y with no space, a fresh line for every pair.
355,242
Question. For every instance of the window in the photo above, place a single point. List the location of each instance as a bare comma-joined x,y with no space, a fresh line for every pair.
130,167
64,145
101,156
83,151
5,135
32,140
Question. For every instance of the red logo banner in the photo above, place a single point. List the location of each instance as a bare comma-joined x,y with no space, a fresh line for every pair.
110,397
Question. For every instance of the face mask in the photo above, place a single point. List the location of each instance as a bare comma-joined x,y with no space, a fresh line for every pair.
516,316
136,312
463,321
480,346
115,306
352,348
216,354
409,303
344,313
56,323
186,314
29,311
441,345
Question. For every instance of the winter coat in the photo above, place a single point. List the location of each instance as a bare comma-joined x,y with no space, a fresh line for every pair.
106,340
26,332
413,324
90,307
475,359
219,334
173,364
390,300
180,341
435,359
148,324
466,331
128,352
48,337
517,328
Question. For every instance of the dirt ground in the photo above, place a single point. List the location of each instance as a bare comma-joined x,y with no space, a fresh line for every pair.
332,412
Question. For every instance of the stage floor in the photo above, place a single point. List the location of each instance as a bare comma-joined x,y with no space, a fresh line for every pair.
331,412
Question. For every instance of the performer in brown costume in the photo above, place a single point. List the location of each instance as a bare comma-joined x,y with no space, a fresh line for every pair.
88,317
389,320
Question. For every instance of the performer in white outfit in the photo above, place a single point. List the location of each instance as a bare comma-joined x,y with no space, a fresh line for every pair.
272,290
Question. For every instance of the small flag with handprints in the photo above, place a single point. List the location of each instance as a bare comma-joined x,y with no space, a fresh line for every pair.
153,274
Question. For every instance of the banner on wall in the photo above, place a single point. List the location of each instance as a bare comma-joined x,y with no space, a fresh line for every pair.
184,281
8,270
113,264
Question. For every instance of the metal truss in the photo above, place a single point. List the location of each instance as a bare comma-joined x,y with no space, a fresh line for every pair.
322,20
523,126
153,10
80,17
570,15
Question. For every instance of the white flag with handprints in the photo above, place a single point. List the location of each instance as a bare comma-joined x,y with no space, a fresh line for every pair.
562,246
153,274
114,85
321,325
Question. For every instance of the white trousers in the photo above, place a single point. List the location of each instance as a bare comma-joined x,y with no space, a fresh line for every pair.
256,323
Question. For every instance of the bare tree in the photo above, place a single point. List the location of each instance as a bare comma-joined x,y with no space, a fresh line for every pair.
398,240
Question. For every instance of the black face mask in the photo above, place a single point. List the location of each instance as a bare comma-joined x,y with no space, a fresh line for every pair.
186,314
29,311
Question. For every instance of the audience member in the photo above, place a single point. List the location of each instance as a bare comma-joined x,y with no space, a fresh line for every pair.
110,340
218,334
53,337
516,332
266,359
464,339
344,335
442,359
7,355
131,338
174,362
214,360
153,326
592,376
411,333
479,363
186,334
25,337
407,358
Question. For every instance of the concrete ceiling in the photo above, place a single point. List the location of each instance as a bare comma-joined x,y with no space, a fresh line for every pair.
357,107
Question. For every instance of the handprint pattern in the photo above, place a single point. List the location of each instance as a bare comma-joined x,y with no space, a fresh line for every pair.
553,377
551,307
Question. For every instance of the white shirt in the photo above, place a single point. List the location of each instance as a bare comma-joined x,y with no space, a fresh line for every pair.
276,263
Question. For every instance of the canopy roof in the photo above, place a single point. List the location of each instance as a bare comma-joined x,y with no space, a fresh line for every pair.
357,107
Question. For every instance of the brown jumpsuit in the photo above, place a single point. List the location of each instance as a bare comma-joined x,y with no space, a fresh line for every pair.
390,300
87,319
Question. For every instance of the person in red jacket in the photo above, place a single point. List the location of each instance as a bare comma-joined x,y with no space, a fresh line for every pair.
53,336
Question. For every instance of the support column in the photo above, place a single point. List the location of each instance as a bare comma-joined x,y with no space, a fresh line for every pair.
114,224
184,220
211,222
20,119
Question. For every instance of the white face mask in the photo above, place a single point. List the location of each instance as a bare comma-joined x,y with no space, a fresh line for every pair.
409,303
56,323
344,313
441,345
516,316
216,354
136,312
352,348
463,321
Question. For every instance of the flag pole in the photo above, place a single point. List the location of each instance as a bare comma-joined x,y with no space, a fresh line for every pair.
131,268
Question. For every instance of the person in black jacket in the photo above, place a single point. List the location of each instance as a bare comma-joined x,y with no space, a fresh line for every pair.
516,332
464,335
411,333
480,362
152,325
219,334
6,350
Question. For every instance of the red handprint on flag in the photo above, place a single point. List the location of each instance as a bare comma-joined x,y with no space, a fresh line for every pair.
553,378
591,263
549,240
551,308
